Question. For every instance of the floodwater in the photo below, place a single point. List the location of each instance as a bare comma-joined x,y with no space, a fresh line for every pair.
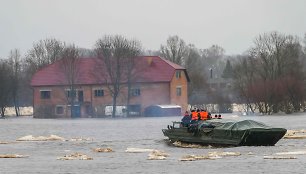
144,133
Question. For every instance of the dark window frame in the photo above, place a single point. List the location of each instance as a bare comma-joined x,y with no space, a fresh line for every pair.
59,110
178,74
99,92
135,92
178,91
45,94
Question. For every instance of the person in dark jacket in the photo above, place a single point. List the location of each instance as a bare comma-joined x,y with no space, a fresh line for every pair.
186,119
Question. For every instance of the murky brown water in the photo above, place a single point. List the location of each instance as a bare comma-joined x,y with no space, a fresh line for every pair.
120,134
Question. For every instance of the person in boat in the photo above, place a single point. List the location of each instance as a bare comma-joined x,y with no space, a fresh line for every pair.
199,114
194,116
209,115
204,114
186,114
186,119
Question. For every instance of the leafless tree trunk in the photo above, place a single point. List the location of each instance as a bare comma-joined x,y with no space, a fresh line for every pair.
70,58
130,66
5,87
15,64
244,75
115,53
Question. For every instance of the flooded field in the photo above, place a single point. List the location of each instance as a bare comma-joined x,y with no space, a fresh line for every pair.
138,146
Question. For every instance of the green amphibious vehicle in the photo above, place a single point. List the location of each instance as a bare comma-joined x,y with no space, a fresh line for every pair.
225,133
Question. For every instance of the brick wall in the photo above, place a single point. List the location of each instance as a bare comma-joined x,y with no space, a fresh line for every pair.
179,82
150,94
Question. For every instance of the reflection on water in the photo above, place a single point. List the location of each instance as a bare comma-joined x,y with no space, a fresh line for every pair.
120,135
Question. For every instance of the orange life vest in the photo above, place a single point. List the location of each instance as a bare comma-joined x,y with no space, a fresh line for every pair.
204,115
194,115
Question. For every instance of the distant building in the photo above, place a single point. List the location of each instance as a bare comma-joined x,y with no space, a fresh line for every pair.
158,82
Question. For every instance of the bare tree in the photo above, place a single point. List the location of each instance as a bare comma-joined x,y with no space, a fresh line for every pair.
197,88
276,74
5,87
15,65
84,52
175,50
135,49
213,55
70,66
44,52
115,53
278,56
244,75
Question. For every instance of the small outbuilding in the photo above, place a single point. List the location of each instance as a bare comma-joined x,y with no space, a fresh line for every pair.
163,110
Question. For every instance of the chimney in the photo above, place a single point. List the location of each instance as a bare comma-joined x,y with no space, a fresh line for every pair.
150,60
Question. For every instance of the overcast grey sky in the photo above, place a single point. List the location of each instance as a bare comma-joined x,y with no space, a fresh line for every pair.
232,24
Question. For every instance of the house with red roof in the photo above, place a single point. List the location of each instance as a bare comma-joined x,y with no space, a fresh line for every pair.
157,81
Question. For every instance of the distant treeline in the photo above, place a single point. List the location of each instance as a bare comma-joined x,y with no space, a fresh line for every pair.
269,77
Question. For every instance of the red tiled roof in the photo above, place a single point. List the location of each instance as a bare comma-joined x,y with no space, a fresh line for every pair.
147,68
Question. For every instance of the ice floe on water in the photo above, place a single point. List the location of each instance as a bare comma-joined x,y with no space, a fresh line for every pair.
209,156
250,153
75,156
103,149
153,153
137,150
292,153
52,138
80,139
13,156
157,155
41,138
224,153
5,142
286,155
279,157
197,157
295,134
189,145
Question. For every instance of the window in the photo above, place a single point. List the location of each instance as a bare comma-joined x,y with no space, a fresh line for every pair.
99,92
80,96
45,94
178,91
178,74
70,93
59,110
135,92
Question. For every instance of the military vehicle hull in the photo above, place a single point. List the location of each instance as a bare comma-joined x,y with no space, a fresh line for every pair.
225,133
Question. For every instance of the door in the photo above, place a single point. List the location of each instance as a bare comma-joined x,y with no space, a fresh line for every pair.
76,111
80,96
